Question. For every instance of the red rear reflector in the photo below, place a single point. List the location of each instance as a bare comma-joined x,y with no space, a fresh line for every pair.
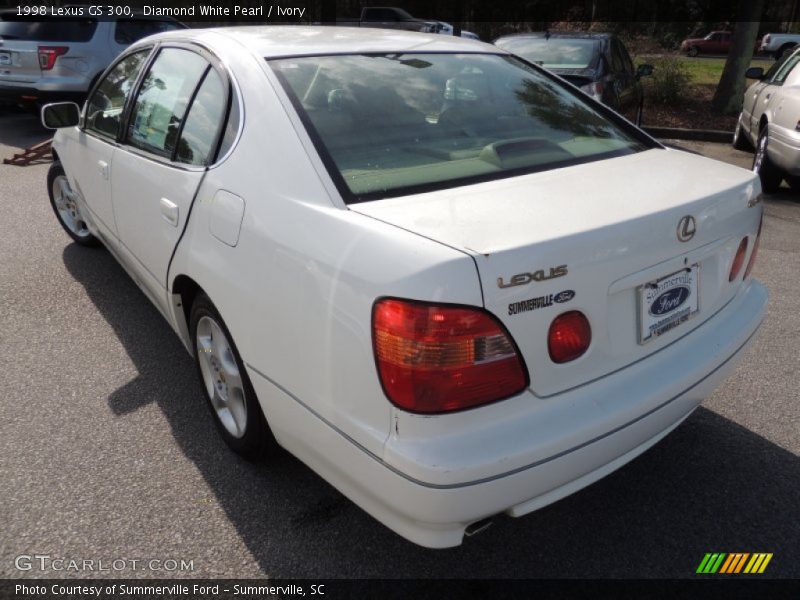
569,336
49,54
438,358
738,260
753,255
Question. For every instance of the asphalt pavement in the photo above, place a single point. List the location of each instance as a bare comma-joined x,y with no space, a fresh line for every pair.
107,451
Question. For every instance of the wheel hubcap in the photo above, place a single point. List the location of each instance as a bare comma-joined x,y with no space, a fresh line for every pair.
68,211
221,376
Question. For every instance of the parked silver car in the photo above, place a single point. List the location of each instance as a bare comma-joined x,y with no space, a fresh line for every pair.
770,121
60,58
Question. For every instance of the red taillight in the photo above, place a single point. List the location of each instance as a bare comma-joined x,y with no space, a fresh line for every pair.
569,336
753,255
738,260
433,358
49,54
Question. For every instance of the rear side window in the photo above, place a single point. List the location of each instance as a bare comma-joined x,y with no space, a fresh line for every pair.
47,30
127,31
201,129
104,108
163,99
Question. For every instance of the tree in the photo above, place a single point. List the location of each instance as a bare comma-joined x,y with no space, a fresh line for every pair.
730,90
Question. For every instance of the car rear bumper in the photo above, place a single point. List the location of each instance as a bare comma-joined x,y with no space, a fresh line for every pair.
44,90
579,437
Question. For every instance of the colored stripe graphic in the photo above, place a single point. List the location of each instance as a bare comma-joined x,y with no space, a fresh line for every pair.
733,563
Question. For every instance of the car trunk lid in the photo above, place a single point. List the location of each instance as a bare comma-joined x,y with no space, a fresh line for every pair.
587,238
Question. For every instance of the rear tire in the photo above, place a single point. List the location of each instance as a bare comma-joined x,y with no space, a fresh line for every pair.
766,170
229,394
67,211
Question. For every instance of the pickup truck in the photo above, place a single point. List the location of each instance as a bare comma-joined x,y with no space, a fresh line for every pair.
390,17
779,44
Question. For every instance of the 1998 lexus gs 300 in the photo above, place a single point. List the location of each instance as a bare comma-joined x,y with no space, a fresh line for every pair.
448,281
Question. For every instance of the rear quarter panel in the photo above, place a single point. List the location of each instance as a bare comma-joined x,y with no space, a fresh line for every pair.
297,290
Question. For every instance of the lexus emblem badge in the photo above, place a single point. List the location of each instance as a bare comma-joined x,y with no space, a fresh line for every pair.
686,228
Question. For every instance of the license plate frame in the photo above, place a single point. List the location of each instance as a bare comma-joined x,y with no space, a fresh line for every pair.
668,302
6,59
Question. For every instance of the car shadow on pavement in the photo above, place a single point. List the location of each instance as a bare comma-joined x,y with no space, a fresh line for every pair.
710,486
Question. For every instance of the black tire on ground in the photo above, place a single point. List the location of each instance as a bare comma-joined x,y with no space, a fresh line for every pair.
256,442
84,239
770,175
693,51
740,141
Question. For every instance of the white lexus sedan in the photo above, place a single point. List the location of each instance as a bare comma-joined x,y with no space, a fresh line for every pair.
450,283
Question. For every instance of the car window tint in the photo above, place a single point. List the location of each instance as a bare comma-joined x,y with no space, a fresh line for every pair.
616,58
46,29
385,124
104,108
231,129
128,31
627,63
553,52
783,71
162,100
203,122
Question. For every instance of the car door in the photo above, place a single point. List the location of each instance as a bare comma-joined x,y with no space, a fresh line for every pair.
174,126
90,161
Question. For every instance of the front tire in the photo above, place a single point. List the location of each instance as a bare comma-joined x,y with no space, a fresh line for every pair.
693,51
766,170
64,204
229,394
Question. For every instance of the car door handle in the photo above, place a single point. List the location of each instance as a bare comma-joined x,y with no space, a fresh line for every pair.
102,166
169,210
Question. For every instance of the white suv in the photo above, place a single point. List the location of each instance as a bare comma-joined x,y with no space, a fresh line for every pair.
60,58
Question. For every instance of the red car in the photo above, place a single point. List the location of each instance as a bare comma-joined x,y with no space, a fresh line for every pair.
716,42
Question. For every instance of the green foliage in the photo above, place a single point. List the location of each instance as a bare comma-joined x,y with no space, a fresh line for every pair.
669,82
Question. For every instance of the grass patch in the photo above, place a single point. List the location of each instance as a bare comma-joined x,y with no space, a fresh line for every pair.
706,71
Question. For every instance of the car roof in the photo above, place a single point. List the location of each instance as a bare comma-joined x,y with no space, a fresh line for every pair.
272,41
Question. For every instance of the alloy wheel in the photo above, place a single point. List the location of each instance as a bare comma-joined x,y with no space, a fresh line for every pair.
221,376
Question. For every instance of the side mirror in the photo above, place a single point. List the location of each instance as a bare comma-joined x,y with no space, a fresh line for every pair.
60,114
644,71
754,73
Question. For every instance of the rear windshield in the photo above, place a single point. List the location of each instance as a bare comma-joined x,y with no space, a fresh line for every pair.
554,53
392,124
60,29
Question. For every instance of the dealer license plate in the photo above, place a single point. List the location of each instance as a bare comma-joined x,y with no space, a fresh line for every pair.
667,302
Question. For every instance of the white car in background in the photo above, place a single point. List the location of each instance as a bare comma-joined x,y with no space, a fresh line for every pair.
449,282
770,122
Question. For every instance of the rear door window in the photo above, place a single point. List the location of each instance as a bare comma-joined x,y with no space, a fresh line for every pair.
203,123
